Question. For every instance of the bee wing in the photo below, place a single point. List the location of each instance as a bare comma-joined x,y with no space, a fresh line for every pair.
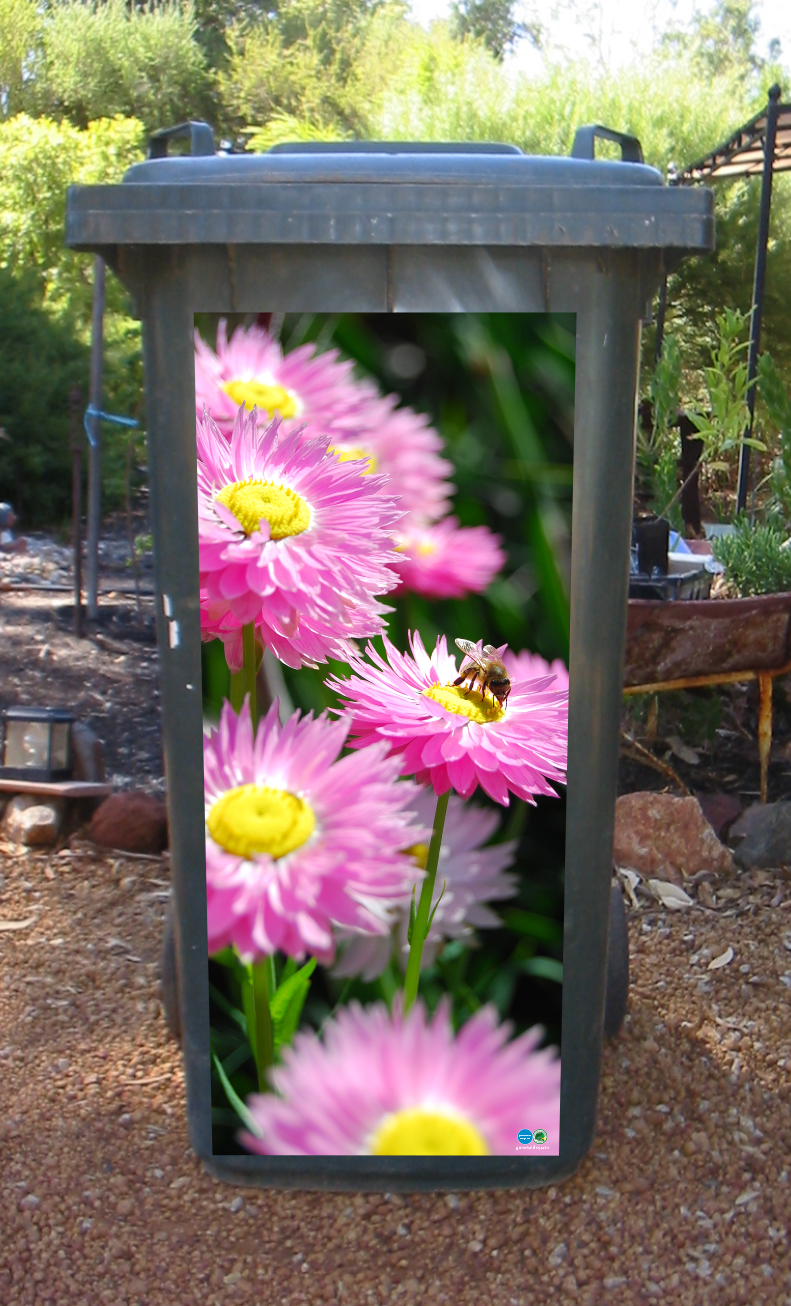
470,650
489,651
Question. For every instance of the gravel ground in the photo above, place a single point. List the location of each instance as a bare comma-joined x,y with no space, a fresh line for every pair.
684,1198
109,682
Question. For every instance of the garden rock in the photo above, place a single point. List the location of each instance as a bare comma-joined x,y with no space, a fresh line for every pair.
762,836
657,831
30,821
131,822
88,754
720,810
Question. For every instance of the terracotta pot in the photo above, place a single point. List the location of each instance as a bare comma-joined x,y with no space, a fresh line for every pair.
669,641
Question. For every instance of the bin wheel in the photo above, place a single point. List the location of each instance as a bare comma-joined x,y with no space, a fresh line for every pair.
617,987
168,975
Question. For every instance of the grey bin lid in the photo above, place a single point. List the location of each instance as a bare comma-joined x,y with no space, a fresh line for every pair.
295,196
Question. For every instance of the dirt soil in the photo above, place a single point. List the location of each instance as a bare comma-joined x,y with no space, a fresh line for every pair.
109,679
684,1197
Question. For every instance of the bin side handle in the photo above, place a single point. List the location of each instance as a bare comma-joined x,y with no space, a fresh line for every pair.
584,146
200,134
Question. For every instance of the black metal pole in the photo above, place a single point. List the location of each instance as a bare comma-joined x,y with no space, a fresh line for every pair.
77,437
759,287
95,450
660,320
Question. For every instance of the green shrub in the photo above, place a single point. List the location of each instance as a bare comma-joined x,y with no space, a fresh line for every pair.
40,362
47,293
83,61
754,559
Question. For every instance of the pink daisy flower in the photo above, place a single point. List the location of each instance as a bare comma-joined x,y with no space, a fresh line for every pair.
403,445
291,540
531,666
447,561
297,840
470,875
251,369
382,1085
449,736
321,390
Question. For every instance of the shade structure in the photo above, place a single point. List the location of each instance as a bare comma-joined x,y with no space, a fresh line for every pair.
743,154
390,227
760,148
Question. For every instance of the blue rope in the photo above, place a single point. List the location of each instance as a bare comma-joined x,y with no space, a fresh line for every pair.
92,412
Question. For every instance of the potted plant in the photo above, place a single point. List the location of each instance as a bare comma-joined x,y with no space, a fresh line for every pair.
748,626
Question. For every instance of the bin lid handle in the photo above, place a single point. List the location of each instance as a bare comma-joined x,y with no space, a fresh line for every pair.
584,143
200,134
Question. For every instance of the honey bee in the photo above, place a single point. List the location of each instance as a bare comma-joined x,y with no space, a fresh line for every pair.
486,667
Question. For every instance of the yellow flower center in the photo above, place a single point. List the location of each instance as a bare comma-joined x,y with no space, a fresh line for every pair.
257,394
356,455
425,547
421,1131
419,851
472,704
254,819
249,501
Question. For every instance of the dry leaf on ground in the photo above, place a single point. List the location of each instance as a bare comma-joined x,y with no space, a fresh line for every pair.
630,880
669,894
683,751
724,959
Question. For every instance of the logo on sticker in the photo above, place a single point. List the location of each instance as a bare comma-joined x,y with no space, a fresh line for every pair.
525,1136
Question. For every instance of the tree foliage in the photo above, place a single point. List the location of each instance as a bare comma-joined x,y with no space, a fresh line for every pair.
84,61
40,362
494,22
20,47
46,292
39,160
299,63
720,41
105,58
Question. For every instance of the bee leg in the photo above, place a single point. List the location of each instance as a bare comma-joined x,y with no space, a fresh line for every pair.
466,675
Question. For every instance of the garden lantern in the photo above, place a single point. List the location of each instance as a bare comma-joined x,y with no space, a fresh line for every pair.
36,744
372,228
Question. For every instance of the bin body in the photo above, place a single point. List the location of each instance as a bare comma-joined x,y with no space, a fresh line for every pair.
395,232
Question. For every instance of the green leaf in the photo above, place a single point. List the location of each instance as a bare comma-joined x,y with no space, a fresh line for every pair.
289,969
533,925
230,1010
227,956
221,1116
248,1003
245,1115
434,908
287,1003
544,968
237,1058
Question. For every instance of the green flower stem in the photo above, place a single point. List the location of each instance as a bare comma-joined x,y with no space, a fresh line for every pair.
263,1021
237,690
249,668
243,682
421,926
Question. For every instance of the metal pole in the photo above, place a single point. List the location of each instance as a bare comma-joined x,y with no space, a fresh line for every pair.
76,440
759,287
660,320
95,451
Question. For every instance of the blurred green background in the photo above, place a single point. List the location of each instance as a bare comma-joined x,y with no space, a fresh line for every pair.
500,390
